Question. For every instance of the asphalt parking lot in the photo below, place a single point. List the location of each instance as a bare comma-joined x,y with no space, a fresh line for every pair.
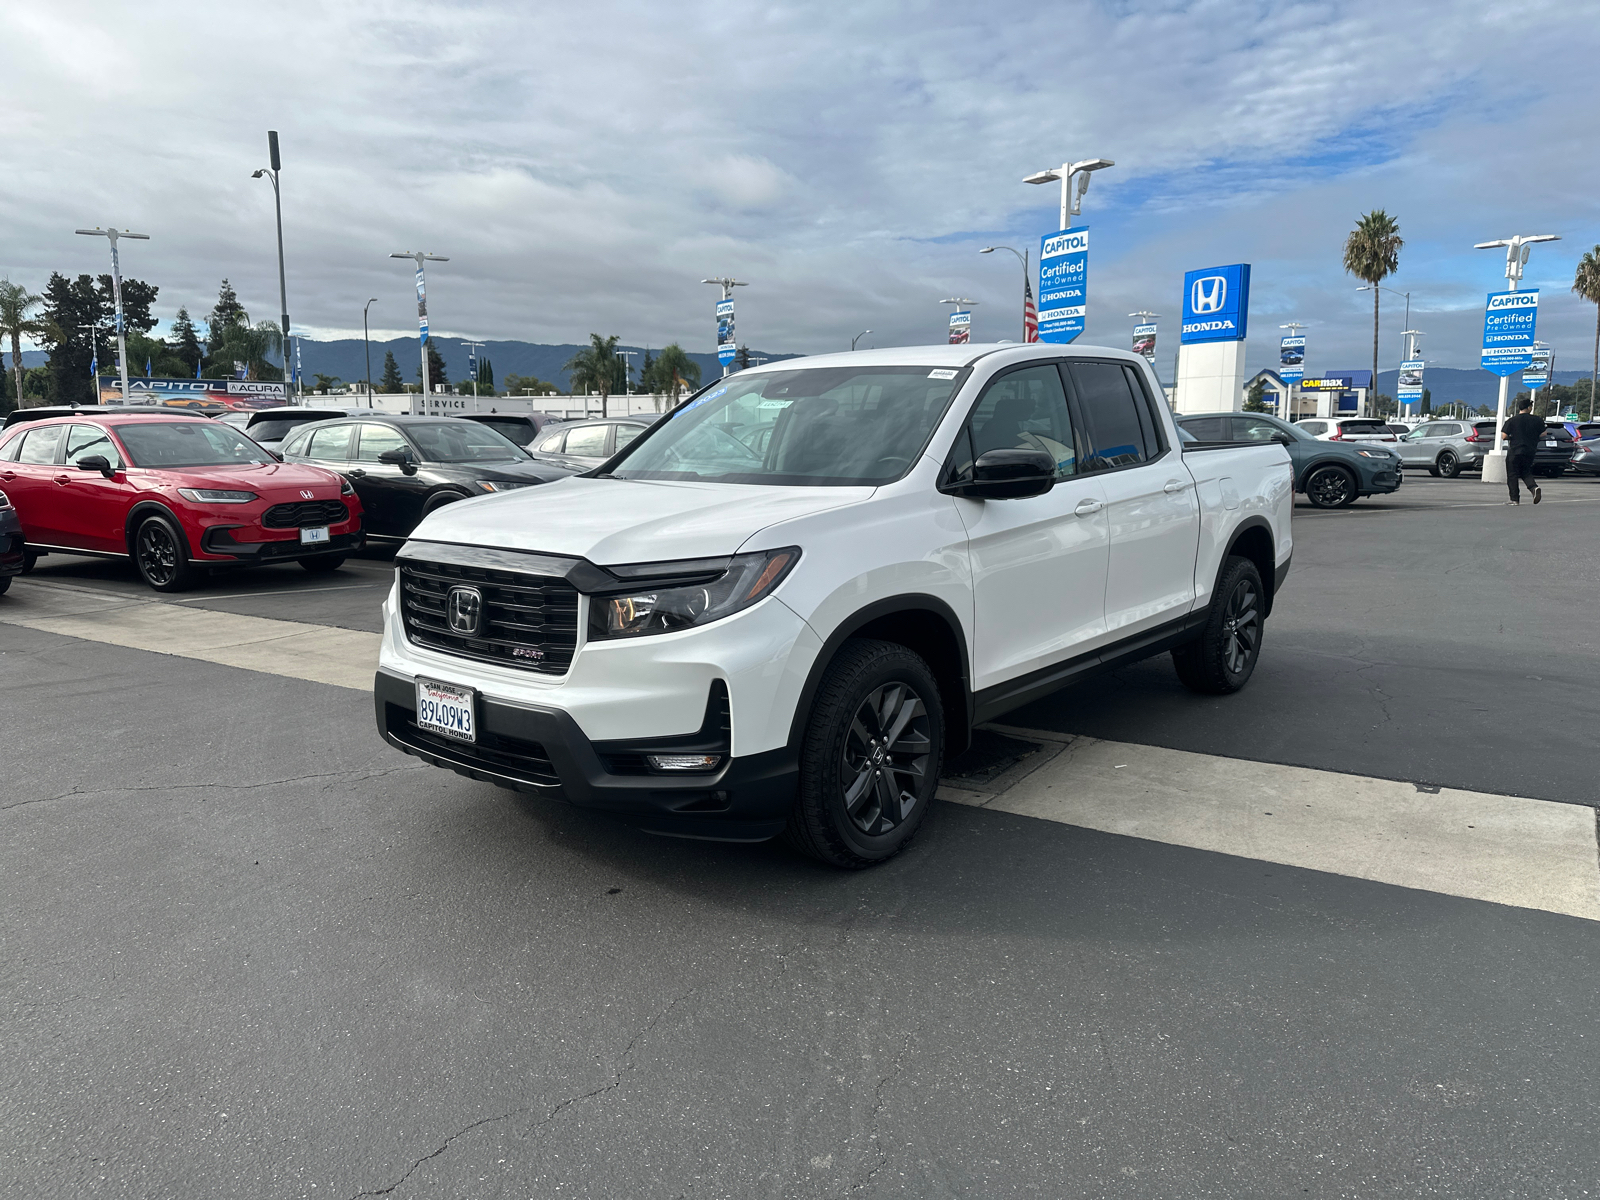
250,950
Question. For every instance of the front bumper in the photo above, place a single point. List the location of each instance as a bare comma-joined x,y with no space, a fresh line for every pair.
540,750
1384,479
218,542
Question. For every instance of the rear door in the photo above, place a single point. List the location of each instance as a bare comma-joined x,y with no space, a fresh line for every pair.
93,509
1152,513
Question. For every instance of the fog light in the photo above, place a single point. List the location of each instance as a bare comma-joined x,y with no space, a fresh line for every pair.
683,762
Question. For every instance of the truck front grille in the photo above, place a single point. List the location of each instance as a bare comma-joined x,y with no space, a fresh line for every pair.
526,621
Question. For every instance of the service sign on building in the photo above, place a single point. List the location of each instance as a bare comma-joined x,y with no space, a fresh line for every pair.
1537,373
1408,388
1292,359
726,347
1216,304
1509,322
1144,341
1063,284
960,327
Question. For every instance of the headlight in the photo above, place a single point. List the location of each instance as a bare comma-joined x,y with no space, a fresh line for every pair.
1376,454
216,496
500,485
732,584
344,487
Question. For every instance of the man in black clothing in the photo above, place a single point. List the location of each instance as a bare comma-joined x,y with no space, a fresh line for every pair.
1523,432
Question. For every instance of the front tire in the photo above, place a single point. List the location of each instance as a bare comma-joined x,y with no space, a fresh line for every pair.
1449,465
1222,659
1331,487
161,555
870,757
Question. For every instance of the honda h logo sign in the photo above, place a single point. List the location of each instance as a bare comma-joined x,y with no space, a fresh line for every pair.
305,494
1216,304
1208,294
463,609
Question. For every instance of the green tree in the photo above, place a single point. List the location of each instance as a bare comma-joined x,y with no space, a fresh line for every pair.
391,383
17,321
437,375
324,383
1254,398
1427,402
594,368
1372,254
516,385
672,372
1586,282
185,343
227,311
483,385
245,343
741,358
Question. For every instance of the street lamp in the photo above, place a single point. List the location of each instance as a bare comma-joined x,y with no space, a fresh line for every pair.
958,301
627,368
1071,205
1022,257
366,341
1367,287
111,235
472,363
857,338
277,204
727,285
1494,463
420,257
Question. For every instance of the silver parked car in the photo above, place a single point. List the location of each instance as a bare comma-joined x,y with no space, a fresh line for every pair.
1447,447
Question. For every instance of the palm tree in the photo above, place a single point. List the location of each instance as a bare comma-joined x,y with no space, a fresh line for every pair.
1372,254
17,322
1587,284
595,367
676,371
246,343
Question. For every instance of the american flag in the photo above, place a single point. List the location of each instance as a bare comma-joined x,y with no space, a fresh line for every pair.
1030,315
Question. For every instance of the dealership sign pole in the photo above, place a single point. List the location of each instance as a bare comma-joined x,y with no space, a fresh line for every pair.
1408,386
1291,365
960,320
422,313
112,235
1509,321
727,347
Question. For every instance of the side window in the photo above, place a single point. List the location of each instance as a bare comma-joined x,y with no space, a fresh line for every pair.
84,441
331,442
39,446
1314,428
552,444
1111,416
1025,409
626,434
8,451
1155,440
1207,429
1253,429
589,440
375,439
295,443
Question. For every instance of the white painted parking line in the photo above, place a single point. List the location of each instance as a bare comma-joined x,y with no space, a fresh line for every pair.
1505,849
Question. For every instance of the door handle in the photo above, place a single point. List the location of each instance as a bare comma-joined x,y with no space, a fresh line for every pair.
358,473
63,478
8,475
1087,508
1174,485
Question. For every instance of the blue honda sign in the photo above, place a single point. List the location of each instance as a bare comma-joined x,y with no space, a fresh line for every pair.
1509,319
1063,284
1216,304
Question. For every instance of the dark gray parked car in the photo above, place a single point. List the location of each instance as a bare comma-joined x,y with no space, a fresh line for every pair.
1331,474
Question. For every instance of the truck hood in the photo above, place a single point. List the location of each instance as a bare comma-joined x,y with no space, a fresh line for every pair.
612,521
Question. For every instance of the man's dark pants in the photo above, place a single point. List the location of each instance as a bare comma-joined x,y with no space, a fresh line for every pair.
1519,467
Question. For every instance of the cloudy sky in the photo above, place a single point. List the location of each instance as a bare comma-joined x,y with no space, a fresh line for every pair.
586,165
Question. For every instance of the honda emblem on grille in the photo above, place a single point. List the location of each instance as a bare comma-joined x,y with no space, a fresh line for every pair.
463,609
305,494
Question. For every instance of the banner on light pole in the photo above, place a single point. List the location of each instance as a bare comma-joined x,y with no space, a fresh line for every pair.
960,327
1063,284
1144,341
422,306
1292,359
1408,388
1510,320
1537,373
726,347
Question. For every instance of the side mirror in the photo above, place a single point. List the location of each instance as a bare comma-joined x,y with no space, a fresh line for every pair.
1009,474
96,462
1283,439
399,457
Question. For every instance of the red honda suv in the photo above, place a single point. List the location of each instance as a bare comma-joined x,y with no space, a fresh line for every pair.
173,493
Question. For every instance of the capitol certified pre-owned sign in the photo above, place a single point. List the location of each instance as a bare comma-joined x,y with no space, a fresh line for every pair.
1216,304
1509,320
1063,284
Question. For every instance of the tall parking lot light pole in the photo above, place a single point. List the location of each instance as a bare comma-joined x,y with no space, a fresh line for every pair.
472,363
1022,257
271,172
857,338
420,257
111,235
627,367
1071,205
366,341
1494,463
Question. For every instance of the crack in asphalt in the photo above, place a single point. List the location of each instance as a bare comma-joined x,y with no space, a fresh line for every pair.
877,1107
232,787
443,1146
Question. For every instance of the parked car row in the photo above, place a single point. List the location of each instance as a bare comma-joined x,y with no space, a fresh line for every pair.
1332,472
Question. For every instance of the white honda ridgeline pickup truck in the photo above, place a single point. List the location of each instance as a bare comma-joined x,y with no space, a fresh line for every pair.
782,607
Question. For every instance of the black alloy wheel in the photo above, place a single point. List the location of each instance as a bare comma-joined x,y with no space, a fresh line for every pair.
1222,659
1331,487
1449,465
870,757
160,555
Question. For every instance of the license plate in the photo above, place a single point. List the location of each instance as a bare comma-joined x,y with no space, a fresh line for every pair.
314,537
1552,445
447,710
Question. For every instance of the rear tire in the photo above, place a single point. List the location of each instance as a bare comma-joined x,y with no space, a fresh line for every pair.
439,501
1222,659
324,564
1331,487
1449,465
869,758
162,556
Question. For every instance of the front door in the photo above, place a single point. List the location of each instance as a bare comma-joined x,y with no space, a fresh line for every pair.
1038,563
93,509
391,497
29,481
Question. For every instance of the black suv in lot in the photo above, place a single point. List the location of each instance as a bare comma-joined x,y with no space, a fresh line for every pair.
1331,474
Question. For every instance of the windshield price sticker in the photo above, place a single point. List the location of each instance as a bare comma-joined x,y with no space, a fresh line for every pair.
943,373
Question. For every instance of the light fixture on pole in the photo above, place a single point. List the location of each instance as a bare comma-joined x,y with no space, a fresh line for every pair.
1494,463
420,257
271,172
727,285
1286,413
627,368
111,235
854,340
1071,205
1030,320
366,341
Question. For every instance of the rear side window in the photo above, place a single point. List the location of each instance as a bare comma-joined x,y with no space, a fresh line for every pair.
1112,429
331,442
552,444
39,446
1315,428
1254,429
1363,427
588,440
1207,429
626,434
8,451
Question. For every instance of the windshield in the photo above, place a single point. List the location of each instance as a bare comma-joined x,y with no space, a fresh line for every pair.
824,427
517,431
276,429
188,444
461,441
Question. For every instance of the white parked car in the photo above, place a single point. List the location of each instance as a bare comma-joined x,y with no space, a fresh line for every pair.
1348,429
780,608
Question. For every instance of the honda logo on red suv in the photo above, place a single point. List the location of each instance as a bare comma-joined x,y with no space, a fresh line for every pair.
305,494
